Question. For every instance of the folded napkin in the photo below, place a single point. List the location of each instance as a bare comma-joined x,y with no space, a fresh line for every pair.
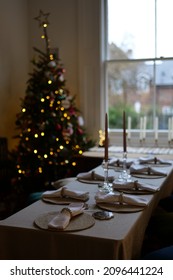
134,186
155,160
64,192
111,198
62,219
145,170
115,162
93,176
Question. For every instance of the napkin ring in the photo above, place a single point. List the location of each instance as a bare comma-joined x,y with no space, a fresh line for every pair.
136,185
149,171
62,192
93,175
118,163
121,198
67,210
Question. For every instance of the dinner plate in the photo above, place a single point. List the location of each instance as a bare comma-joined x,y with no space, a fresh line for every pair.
77,223
120,208
59,200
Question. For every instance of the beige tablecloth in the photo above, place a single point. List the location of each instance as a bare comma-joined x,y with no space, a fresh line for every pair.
117,238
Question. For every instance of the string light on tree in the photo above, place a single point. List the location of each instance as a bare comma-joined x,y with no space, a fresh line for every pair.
51,132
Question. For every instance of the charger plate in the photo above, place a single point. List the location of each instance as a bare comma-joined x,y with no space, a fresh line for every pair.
94,181
120,208
148,176
80,222
156,164
62,201
133,191
90,181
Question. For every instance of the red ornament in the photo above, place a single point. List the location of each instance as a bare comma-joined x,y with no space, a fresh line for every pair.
80,131
58,126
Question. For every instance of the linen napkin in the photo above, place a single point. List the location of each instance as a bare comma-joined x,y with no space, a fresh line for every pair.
134,186
116,162
111,198
93,176
64,192
62,219
145,170
154,160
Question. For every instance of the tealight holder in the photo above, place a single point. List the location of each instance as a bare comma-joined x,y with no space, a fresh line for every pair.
124,176
106,186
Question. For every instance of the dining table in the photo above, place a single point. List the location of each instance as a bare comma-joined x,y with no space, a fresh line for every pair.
25,235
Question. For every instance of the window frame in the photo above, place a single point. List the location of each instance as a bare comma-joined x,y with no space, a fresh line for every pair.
115,134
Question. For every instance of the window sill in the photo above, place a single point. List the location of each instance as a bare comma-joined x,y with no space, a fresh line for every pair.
132,152
115,139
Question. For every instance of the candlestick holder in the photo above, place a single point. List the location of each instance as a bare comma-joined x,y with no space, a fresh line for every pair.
106,186
124,176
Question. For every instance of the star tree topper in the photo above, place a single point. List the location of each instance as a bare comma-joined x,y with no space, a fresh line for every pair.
42,18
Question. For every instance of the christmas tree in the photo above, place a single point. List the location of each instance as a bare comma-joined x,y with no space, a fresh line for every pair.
52,134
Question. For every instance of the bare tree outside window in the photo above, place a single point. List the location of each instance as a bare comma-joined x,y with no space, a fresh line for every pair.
139,67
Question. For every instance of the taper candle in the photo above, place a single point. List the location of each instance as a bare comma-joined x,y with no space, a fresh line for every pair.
124,133
106,138
169,129
129,127
156,128
144,127
141,129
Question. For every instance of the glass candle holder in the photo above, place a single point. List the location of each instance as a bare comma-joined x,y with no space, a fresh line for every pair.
106,186
124,176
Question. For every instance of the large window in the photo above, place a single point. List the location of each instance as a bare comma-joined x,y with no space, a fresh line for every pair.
139,65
